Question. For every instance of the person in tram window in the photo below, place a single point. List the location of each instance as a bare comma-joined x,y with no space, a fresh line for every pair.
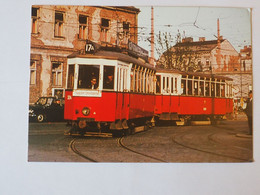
158,87
93,83
249,111
109,83
182,88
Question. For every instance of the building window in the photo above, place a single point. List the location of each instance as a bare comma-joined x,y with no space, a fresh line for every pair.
57,74
83,27
126,28
126,32
59,21
105,23
33,73
34,19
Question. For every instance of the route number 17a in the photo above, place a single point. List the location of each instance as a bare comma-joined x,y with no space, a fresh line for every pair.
89,47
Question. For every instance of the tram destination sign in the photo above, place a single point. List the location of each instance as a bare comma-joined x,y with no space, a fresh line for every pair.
137,50
90,48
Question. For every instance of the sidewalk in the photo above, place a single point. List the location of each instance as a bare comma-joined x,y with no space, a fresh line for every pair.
240,116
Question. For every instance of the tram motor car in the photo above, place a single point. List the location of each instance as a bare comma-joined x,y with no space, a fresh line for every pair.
108,92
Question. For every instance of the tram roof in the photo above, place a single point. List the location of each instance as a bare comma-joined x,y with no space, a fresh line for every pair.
196,74
112,55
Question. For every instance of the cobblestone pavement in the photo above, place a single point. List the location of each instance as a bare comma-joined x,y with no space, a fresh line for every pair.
164,143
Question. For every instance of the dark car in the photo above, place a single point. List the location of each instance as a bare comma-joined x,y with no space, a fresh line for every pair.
47,109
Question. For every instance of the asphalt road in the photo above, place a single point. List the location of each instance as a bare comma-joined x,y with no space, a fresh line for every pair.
164,143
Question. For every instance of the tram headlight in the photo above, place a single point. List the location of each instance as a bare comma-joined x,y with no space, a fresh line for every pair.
85,111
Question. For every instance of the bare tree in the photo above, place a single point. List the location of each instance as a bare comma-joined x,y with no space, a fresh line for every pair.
181,56
164,47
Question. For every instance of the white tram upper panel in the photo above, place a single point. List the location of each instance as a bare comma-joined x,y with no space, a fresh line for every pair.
175,82
104,65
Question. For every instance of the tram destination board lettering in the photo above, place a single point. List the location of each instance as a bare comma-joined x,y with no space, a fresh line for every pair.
137,50
90,48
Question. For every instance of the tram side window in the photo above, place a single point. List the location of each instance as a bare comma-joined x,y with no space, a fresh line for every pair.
132,76
88,77
136,80
207,88
158,84
119,80
167,85
176,85
228,90
140,81
222,89
189,87
144,82
148,81
183,86
109,74
71,76
172,85
196,87
163,84
213,89
218,89
201,88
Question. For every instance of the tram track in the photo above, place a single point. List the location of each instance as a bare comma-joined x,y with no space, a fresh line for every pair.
205,151
72,146
212,138
121,144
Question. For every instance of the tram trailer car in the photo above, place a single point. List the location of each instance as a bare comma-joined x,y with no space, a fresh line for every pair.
186,97
108,92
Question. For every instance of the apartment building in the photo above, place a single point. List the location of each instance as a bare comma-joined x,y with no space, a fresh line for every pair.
59,31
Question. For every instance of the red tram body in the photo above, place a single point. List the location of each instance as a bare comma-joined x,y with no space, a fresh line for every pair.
110,91
192,96
128,101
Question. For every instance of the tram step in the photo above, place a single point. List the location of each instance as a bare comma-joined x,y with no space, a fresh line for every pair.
179,123
139,129
200,123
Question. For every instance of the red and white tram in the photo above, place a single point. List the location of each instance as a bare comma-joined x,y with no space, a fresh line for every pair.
108,91
187,97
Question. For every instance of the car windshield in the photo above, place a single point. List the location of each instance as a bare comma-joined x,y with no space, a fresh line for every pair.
44,101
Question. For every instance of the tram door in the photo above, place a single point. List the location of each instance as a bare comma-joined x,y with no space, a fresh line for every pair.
122,94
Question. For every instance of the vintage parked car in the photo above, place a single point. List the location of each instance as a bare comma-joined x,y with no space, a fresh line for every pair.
47,109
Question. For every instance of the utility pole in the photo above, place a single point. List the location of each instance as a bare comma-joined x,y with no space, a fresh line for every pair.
152,37
218,57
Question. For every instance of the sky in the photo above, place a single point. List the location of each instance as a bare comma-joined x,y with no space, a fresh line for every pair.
235,24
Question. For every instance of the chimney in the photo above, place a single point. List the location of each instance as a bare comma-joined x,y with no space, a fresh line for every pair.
187,40
201,39
218,34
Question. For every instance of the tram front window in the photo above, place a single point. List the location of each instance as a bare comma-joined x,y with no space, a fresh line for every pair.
88,77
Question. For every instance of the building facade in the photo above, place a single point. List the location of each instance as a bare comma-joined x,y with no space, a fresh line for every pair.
59,31
214,57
